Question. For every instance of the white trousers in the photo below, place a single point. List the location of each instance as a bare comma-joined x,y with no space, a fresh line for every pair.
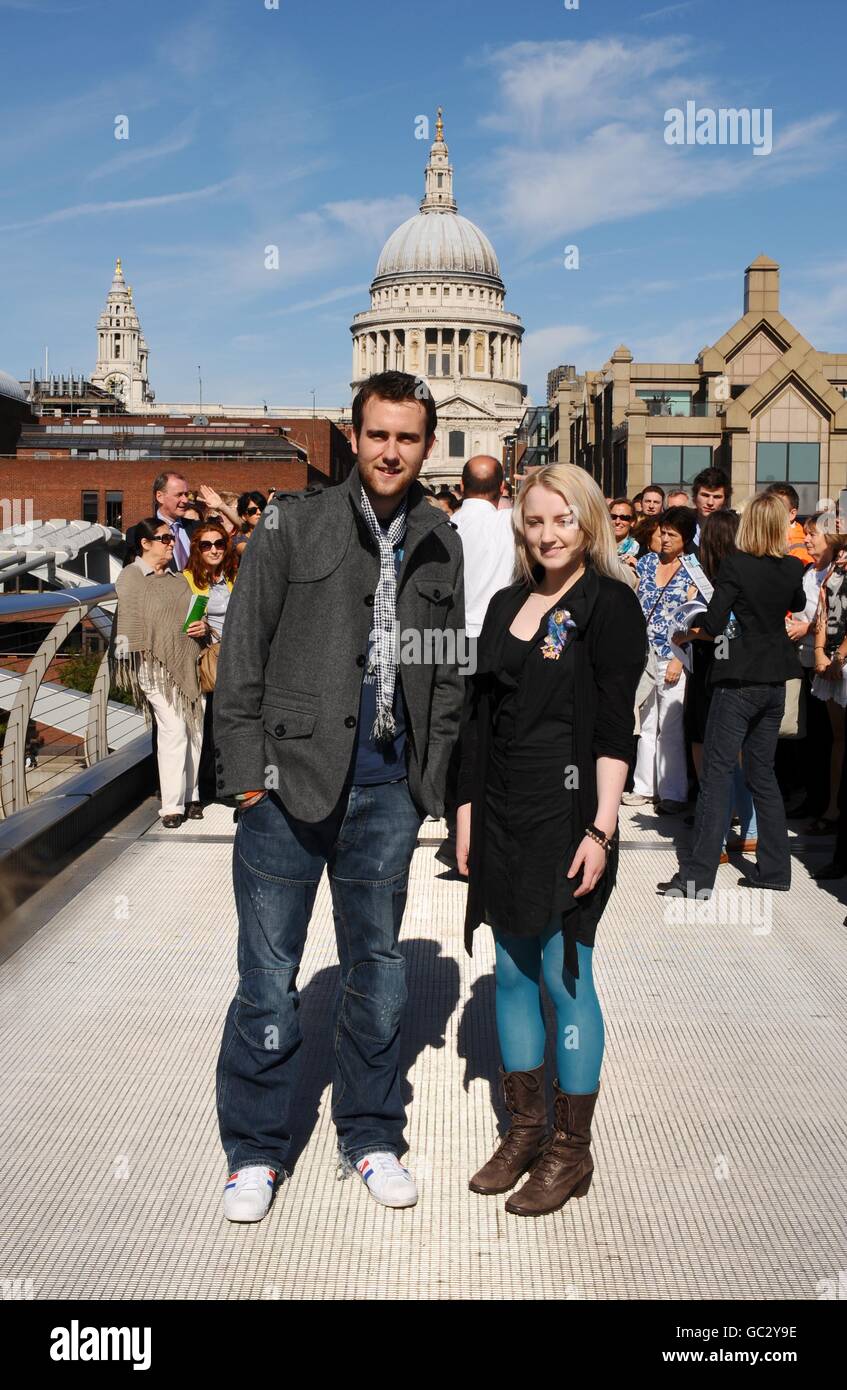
660,769
178,754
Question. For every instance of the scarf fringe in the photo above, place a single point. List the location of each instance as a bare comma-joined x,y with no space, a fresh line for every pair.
125,676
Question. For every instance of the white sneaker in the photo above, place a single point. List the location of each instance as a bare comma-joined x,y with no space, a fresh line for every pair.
634,799
248,1193
387,1180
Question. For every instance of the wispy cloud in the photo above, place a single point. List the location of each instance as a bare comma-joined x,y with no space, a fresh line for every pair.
331,297
125,205
583,128
668,9
132,157
372,219
560,342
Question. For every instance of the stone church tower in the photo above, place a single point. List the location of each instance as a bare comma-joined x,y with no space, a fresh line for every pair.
121,347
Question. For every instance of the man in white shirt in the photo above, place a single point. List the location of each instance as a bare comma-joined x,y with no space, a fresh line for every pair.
487,538
488,544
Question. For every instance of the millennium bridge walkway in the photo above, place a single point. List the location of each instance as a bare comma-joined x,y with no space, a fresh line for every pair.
720,1138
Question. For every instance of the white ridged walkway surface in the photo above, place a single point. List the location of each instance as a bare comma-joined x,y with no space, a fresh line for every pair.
720,1138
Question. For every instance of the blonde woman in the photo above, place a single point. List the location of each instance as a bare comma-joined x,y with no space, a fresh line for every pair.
547,745
759,583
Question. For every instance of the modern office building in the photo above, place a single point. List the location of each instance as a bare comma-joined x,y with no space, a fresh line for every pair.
762,402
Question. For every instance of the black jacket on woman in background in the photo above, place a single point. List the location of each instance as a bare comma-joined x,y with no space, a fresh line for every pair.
760,590
609,655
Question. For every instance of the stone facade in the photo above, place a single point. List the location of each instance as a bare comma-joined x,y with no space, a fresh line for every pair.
762,403
122,350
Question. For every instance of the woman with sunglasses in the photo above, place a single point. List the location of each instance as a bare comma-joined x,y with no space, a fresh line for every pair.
211,569
249,506
155,657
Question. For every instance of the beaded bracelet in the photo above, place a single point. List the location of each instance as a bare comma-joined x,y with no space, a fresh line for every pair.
598,837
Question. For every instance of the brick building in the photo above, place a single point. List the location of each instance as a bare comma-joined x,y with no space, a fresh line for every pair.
101,470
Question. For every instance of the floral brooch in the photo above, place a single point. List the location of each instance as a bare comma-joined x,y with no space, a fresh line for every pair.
559,624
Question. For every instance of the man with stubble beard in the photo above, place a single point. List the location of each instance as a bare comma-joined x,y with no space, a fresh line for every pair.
333,752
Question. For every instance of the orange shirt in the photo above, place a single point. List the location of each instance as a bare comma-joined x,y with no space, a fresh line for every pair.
797,543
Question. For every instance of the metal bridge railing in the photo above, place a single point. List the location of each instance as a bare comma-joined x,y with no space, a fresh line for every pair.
53,729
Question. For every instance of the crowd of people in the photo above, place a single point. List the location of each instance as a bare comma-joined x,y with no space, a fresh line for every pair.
665,652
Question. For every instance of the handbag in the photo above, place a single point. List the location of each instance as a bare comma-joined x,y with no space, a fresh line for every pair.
207,666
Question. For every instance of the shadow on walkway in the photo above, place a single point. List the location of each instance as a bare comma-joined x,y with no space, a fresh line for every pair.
432,980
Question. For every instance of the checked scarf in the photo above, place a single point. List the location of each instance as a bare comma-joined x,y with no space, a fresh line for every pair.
384,655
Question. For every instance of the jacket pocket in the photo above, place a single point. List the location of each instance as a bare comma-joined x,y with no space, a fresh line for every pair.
283,722
435,591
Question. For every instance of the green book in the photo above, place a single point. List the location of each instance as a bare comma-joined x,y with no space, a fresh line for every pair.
199,604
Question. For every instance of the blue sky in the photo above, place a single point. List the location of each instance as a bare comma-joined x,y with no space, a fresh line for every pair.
251,126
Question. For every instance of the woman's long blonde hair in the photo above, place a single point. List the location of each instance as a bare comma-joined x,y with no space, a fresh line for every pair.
580,491
763,529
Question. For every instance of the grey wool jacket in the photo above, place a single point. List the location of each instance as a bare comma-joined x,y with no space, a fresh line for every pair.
295,639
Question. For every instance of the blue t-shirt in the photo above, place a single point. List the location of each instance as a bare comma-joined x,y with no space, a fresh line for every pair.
379,762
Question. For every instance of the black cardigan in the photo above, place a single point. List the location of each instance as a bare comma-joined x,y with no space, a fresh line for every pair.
759,590
610,656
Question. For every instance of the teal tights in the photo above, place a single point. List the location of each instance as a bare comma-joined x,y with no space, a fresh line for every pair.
520,964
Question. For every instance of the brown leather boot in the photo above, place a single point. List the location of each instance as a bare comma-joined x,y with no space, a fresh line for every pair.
526,1099
566,1167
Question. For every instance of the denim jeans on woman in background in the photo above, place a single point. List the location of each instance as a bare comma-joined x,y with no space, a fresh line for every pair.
367,845
743,718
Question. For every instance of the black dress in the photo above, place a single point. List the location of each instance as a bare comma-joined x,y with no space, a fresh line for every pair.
535,792
530,815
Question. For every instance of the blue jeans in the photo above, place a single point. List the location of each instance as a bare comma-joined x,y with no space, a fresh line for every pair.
367,844
742,719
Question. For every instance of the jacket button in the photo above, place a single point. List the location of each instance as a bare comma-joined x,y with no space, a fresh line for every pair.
360,660
436,593
279,730
350,722
369,600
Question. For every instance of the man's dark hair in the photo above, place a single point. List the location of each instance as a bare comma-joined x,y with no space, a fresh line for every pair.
161,481
653,487
717,540
683,520
712,479
482,483
785,490
395,386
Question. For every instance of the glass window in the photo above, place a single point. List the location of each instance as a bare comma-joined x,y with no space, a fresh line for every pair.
420,290
456,444
431,362
804,461
90,506
114,509
695,457
680,464
667,463
798,464
771,463
445,364
662,402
